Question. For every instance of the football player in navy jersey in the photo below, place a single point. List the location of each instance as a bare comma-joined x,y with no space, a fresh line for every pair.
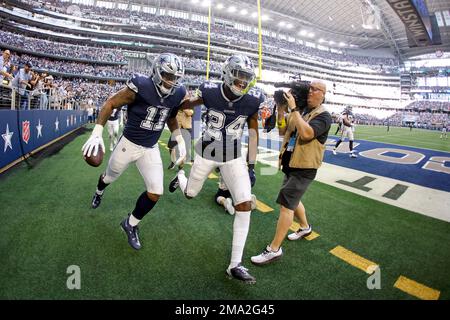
230,105
113,129
152,101
347,131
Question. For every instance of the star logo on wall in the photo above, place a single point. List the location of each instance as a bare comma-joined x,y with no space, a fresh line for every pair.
39,129
7,138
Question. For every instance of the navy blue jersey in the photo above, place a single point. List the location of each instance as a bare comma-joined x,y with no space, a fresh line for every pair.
149,112
114,115
225,121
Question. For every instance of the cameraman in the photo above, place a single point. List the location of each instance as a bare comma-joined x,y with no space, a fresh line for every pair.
300,156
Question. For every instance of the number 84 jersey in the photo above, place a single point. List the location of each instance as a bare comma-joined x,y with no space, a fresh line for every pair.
149,112
225,121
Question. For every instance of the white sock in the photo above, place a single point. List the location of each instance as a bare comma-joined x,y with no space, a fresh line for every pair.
133,221
240,230
99,192
182,180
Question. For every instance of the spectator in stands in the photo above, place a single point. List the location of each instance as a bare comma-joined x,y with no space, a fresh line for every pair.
48,87
22,82
4,67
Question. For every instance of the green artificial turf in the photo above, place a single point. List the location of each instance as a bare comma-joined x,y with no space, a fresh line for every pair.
47,225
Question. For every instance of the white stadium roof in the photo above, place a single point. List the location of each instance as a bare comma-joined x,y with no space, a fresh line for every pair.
364,24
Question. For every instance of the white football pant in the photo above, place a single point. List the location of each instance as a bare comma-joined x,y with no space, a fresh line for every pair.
347,132
148,161
234,173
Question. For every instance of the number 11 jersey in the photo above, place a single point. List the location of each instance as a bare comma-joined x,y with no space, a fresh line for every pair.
149,112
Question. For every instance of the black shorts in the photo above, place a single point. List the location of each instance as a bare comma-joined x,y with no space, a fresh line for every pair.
292,190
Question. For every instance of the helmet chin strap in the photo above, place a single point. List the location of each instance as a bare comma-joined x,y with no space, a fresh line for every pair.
164,90
234,89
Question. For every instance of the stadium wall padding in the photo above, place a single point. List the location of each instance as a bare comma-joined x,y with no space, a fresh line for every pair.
23,131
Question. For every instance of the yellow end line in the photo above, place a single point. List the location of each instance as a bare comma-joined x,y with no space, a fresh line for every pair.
416,289
213,176
261,206
355,260
295,226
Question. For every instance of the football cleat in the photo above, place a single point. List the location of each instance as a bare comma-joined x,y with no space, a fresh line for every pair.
353,155
334,152
174,184
132,234
171,165
241,273
96,200
267,256
300,233
228,205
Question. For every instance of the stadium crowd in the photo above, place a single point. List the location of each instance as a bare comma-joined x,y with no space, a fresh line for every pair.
79,89
62,49
231,35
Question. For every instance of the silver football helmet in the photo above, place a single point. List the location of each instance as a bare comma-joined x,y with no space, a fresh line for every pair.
168,69
238,73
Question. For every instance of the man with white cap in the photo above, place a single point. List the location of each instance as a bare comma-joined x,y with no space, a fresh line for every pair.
300,156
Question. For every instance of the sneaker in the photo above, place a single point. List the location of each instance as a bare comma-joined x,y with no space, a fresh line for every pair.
300,233
174,184
253,202
267,256
228,205
334,152
353,155
132,234
96,200
241,273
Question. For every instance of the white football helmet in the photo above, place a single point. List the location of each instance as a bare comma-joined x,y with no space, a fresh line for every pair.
168,69
238,73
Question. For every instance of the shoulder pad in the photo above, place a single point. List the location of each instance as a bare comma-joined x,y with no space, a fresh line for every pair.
257,93
136,81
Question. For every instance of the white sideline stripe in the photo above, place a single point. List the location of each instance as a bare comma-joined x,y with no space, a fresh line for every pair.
426,201
430,202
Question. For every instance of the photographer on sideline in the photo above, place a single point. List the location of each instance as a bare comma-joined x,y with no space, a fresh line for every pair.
300,156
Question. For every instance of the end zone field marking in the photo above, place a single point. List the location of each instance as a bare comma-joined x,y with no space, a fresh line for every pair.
355,260
295,226
213,176
416,289
261,206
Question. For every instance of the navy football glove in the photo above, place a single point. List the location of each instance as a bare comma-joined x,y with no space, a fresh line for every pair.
251,174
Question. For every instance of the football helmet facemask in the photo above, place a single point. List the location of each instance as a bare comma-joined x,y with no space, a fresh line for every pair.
167,71
347,110
238,74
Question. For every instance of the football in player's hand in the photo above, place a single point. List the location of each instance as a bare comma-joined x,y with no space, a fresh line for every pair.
96,160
